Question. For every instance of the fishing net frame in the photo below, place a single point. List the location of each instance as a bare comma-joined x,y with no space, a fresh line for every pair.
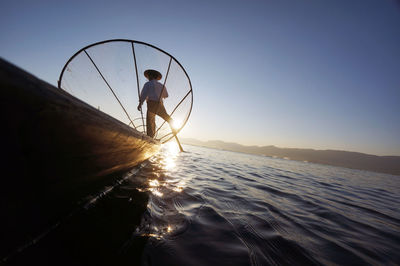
164,138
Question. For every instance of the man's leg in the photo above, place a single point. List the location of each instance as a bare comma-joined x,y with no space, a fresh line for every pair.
150,123
163,113
159,109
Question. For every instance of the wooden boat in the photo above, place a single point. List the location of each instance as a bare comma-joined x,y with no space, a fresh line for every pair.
56,150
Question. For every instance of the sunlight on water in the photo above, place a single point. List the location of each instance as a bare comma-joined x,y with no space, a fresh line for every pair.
154,183
154,187
158,233
169,163
166,159
169,152
254,210
166,183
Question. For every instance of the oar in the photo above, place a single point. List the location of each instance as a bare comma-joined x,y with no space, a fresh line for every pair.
179,144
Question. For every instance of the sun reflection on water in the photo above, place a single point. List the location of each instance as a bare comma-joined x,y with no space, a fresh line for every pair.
154,187
158,233
165,182
170,152
167,162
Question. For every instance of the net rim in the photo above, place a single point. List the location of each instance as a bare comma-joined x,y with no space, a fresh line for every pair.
133,42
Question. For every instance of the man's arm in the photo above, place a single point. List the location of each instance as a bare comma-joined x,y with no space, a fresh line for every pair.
139,107
142,98
165,93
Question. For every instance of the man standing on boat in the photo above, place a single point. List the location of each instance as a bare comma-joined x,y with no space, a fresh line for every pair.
154,92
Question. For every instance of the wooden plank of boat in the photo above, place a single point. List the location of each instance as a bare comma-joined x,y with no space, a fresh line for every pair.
56,149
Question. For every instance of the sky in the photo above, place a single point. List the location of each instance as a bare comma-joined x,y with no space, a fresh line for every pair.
302,74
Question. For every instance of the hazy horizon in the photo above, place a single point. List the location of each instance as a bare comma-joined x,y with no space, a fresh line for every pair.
282,147
302,74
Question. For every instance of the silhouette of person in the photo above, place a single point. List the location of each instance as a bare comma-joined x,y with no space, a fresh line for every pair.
154,92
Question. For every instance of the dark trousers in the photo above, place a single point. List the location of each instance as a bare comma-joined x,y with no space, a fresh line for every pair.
155,108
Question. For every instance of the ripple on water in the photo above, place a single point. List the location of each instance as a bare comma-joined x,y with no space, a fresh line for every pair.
224,208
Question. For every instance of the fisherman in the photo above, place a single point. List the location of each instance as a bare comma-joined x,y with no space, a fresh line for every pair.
154,92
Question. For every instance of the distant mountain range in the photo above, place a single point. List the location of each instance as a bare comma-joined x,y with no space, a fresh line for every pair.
354,160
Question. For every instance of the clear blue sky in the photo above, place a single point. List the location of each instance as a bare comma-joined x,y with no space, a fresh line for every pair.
307,74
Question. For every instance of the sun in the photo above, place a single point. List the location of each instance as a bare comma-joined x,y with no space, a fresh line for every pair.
176,124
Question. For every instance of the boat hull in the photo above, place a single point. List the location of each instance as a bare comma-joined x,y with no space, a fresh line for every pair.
56,150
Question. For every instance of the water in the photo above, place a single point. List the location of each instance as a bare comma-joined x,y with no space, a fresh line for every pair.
212,207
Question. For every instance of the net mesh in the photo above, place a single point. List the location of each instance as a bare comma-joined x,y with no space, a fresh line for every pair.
110,76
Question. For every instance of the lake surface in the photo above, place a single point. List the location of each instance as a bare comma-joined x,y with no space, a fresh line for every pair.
212,207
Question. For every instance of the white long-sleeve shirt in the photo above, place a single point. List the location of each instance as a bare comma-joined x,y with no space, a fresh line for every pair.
151,91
